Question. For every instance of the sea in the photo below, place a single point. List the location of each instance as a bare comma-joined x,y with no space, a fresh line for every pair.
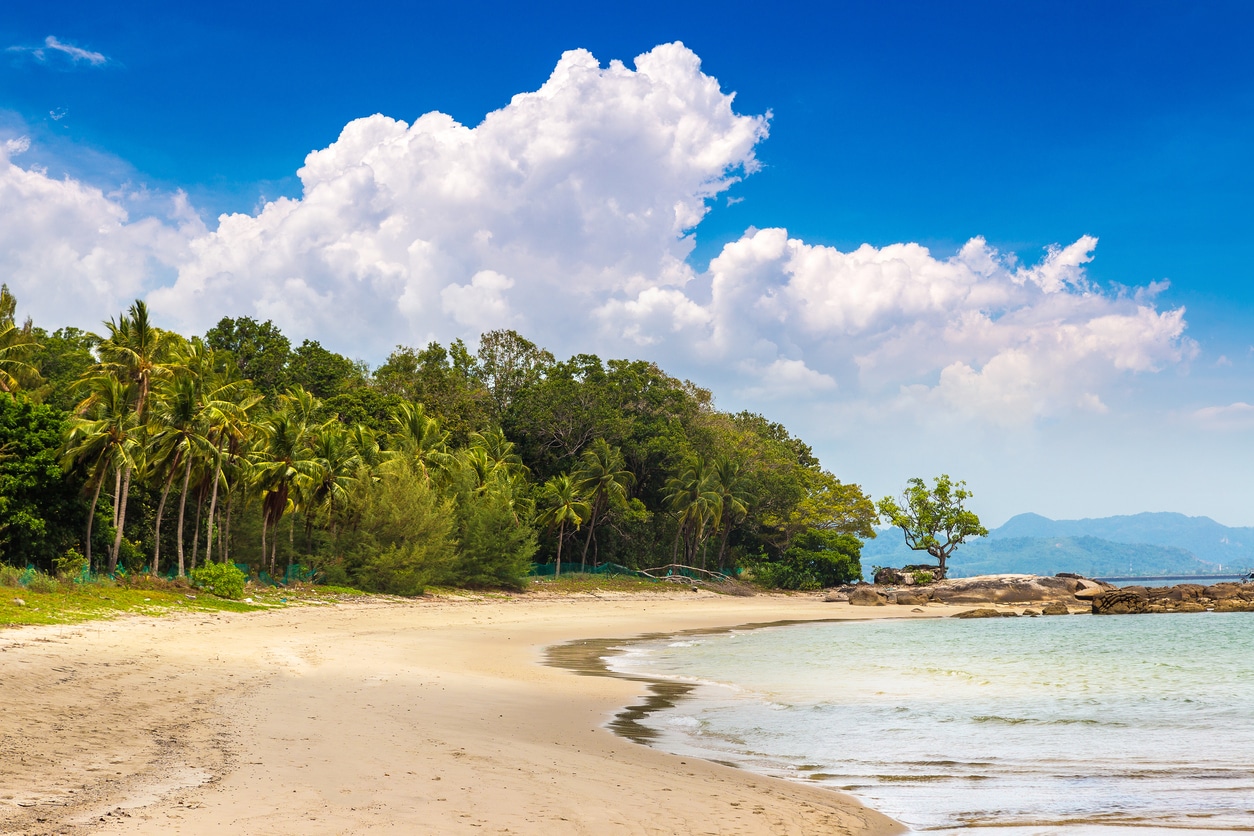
1071,725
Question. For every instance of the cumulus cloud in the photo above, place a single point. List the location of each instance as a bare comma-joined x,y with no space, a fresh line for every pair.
586,187
54,49
71,254
569,214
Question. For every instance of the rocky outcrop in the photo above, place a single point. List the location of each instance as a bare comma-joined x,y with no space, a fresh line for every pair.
986,612
1119,602
867,596
1011,589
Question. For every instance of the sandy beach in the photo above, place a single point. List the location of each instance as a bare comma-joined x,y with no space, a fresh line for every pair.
430,716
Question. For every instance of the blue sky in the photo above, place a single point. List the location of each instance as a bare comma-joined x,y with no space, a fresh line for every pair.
1028,124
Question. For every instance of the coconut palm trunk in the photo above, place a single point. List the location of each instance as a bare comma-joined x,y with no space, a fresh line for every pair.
95,498
213,507
117,537
156,536
187,476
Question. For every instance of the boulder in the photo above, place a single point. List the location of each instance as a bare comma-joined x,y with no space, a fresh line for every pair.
1055,608
1119,602
1189,606
1088,593
1031,613
985,612
1189,591
867,596
1139,591
1234,605
913,597
1222,591
887,576
836,595
1007,589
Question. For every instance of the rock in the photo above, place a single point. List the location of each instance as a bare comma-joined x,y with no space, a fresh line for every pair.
1221,591
18,602
836,595
1071,575
1139,591
1031,613
1119,602
1189,591
867,596
887,576
913,597
917,609
1189,606
1055,608
1090,592
1234,605
1006,589
984,612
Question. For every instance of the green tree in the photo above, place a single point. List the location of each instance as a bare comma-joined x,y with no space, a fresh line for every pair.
604,479
40,509
260,350
562,506
508,363
17,344
324,374
693,496
934,519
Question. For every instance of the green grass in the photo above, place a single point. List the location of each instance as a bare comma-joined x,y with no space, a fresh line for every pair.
71,602
575,582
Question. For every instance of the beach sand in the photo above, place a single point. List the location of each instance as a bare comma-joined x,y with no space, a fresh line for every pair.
430,716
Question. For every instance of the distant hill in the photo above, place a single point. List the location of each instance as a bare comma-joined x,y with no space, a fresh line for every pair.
1138,544
1208,540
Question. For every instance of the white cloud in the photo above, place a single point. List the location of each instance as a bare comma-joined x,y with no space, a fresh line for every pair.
568,214
54,48
581,189
73,255
1234,416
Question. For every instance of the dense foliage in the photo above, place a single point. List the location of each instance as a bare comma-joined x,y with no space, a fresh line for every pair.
144,449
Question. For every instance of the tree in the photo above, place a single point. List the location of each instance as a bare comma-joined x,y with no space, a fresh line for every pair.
509,362
260,350
603,478
564,505
17,343
934,520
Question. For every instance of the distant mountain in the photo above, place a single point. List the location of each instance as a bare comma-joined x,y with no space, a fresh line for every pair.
1138,544
1208,540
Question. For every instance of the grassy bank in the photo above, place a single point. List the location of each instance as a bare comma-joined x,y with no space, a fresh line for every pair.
62,602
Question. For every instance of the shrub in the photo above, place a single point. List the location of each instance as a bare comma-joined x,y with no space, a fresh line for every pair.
10,575
70,565
817,558
922,578
39,582
221,579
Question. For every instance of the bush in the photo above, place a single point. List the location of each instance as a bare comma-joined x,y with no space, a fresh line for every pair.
494,547
221,579
10,575
39,582
922,578
403,540
70,565
817,558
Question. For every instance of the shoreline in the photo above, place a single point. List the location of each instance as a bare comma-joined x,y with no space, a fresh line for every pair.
424,717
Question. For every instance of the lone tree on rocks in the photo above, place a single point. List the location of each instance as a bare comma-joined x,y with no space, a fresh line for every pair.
933,519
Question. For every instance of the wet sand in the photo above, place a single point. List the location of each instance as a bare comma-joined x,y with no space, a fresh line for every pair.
432,716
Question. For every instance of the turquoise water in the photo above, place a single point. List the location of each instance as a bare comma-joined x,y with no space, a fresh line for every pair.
1063,725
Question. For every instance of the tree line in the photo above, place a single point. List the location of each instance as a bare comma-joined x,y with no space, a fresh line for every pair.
143,449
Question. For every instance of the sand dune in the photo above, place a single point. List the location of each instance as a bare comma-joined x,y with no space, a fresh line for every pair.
408,717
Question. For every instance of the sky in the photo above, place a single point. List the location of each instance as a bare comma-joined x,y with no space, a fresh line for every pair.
1007,242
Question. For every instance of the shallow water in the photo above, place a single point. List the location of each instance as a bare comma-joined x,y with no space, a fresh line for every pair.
1036,726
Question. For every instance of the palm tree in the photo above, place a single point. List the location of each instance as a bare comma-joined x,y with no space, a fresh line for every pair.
176,437
693,496
603,478
564,506
420,441
282,465
102,438
15,345
336,463
134,352
733,490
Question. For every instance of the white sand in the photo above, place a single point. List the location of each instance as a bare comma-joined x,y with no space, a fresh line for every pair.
424,717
